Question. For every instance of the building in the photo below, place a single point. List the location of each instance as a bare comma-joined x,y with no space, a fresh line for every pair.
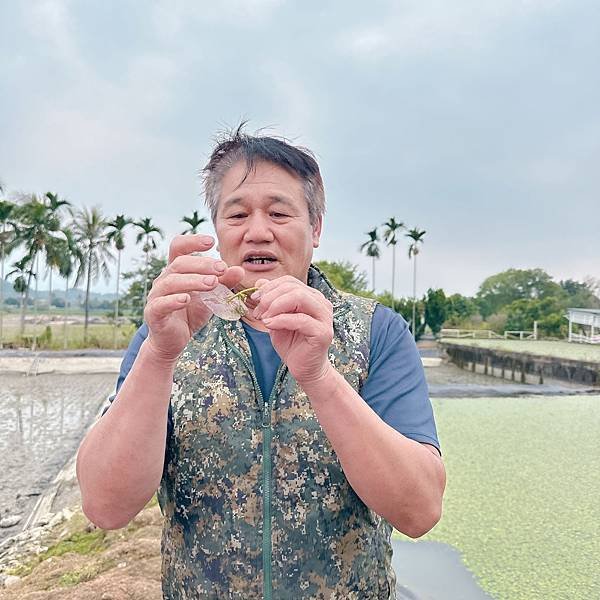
588,320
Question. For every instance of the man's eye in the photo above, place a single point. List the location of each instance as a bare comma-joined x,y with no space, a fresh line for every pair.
237,216
279,215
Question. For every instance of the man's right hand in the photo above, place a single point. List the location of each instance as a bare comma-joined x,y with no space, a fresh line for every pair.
174,311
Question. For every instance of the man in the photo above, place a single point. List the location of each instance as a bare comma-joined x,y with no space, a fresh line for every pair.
284,446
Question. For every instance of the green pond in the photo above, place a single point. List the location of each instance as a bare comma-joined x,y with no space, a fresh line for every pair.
522,502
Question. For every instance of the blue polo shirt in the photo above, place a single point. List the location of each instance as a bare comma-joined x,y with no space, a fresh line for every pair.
395,387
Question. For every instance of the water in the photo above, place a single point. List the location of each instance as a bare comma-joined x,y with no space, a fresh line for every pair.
42,421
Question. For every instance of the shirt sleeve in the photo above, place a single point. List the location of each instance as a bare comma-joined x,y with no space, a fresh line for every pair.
395,387
128,359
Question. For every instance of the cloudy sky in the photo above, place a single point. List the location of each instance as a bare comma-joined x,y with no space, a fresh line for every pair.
476,121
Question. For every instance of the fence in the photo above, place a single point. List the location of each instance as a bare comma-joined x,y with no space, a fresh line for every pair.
488,334
582,338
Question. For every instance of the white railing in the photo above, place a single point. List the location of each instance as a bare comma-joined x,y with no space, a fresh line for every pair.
486,334
585,339
520,335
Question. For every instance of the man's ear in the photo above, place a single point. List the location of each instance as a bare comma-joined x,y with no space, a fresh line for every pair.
316,233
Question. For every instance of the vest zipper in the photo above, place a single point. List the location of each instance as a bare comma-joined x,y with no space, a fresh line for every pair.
267,466
267,549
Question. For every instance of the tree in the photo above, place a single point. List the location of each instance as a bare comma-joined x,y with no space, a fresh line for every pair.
22,274
413,250
54,204
579,295
89,227
37,231
459,308
194,222
146,235
116,236
371,248
134,298
390,236
344,276
548,312
436,309
72,261
502,289
7,241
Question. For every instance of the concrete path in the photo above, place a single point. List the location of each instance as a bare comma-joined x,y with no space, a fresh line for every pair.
433,571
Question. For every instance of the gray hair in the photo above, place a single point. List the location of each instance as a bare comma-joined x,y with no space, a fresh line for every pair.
235,146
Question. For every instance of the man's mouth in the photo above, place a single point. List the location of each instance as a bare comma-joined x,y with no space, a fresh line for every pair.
259,259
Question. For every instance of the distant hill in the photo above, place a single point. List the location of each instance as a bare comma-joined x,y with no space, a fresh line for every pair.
75,295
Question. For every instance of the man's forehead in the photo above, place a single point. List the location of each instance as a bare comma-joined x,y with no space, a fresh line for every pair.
260,172
241,182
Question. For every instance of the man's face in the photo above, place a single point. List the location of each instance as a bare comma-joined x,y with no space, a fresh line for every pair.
263,224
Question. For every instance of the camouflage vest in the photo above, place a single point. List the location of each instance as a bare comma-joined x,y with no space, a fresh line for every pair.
255,501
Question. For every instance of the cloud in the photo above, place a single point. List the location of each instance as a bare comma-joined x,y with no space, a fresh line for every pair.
172,18
417,28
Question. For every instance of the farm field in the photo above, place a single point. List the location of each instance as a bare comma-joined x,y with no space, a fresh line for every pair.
560,349
100,332
521,503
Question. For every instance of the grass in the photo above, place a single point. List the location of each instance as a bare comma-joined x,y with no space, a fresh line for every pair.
78,539
100,335
80,542
522,497
560,349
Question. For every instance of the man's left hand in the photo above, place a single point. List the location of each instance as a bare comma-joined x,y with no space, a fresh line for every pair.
300,322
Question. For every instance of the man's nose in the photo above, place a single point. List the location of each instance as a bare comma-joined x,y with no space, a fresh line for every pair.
258,229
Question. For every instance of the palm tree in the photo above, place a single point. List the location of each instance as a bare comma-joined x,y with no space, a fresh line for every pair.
54,204
194,222
89,227
7,242
413,250
38,227
72,259
147,229
371,248
116,236
23,273
390,236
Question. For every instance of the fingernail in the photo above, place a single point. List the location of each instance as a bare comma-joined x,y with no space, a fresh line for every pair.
256,295
220,266
256,313
206,239
210,280
183,298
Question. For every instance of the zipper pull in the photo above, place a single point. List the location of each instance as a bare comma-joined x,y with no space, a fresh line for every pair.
266,414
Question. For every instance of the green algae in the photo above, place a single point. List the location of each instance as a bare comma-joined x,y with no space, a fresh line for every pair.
522,499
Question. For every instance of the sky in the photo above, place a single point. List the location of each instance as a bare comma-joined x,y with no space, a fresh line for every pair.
478,122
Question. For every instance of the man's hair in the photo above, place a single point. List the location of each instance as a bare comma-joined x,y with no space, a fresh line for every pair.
235,145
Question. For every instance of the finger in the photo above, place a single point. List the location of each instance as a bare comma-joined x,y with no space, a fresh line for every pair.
268,296
267,285
300,322
296,301
175,283
232,276
186,244
163,306
204,265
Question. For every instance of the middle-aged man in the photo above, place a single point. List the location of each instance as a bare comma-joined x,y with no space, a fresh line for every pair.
285,445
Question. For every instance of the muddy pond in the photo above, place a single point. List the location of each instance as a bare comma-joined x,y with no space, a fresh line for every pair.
42,421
